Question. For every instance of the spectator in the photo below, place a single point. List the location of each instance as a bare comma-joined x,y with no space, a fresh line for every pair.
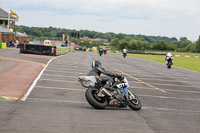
17,43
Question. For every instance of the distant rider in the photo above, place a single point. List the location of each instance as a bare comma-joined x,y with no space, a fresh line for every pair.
124,51
96,71
168,56
100,51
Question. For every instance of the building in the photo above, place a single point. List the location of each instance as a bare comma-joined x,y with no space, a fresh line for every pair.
6,32
101,40
94,40
6,35
4,16
87,38
106,47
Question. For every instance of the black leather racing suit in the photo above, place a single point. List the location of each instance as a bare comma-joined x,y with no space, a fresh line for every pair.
96,71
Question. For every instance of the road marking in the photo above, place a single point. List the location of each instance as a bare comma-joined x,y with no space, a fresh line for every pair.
52,75
71,89
163,74
145,108
76,70
36,80
70,64
59,80
27,61
166,109
169,85
164,97
52,100
131,87
62,71
166,90
139,80
177,76
68,67
172,80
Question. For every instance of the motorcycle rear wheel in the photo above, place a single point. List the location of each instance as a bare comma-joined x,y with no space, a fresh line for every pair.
94,100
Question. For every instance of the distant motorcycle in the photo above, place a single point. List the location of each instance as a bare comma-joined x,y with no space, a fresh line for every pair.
169,60
100,53
120,97
169,63
124,54
104,51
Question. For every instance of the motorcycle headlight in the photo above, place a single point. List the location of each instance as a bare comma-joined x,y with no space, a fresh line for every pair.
87,83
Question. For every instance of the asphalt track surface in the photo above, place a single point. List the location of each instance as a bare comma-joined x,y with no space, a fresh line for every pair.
170,99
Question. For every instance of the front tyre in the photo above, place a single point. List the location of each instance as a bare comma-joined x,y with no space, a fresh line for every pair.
94,100
169,65
134,103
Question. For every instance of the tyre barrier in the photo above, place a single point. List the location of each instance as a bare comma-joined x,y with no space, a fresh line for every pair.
44,50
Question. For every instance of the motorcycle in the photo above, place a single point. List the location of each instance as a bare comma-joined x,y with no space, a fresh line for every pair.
124,54
169,62
105,51
120,97
100,53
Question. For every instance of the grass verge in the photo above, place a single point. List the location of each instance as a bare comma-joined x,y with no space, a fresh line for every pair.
188,63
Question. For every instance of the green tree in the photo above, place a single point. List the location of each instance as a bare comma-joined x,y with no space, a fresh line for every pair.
160,45
108,36
123,44
36,33
132,45
183,39
190,48
114,42
198,45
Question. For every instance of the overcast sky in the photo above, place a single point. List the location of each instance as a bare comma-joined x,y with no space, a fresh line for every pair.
171,18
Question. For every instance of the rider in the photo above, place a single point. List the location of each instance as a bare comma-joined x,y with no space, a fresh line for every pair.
100,49
96,71
168,56
124,51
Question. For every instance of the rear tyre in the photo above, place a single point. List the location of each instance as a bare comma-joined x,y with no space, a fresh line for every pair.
94,100
135,104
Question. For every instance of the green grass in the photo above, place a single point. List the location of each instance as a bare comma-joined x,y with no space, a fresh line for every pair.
177,53
189,63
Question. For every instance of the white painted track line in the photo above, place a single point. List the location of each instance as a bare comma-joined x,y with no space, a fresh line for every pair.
143,108
36,80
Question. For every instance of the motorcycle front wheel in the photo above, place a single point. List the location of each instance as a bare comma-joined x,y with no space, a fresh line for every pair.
94,100
134,103
169,65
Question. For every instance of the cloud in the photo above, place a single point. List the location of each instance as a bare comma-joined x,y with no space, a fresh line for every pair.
131,9
170,17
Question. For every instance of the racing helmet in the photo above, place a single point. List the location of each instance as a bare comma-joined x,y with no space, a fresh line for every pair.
169,54
96,64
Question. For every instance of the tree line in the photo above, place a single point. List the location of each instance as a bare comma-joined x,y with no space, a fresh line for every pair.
117,41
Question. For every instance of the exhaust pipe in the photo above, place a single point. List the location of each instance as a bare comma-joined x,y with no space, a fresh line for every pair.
107,93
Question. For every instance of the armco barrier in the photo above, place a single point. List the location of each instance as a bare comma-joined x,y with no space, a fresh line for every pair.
44,50
37,49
